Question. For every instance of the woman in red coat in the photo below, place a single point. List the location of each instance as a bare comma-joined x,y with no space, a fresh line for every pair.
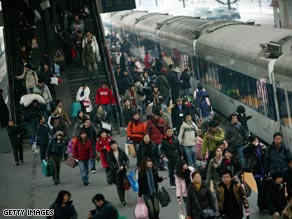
82,151
103,147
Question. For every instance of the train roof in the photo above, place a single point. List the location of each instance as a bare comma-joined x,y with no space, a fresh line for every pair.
244,42
127,18
283,65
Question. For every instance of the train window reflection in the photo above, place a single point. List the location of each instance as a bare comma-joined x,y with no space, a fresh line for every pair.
282,105
288,121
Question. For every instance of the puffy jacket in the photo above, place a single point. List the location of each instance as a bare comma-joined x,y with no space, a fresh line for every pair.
210,143
204,197
171,148
146,150
66,212
185,77
44,91
143,182
106,211
187,134
178,116
181,185
202,102
276,198
83,150
104,96
156,130
103,152
136,131
30,77
236,135
56,148
42,134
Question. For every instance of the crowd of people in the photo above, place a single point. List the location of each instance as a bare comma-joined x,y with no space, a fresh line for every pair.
169,126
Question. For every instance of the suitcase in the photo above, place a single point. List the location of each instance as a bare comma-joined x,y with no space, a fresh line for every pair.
47,168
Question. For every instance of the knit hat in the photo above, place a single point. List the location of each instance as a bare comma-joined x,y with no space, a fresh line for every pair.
59,133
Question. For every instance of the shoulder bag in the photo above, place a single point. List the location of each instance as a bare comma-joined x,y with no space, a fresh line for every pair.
207,213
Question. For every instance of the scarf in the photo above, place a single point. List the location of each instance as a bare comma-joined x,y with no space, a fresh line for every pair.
216,163
150,180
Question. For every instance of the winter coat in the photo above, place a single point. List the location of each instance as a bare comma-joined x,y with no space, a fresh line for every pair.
4,112
82,150
133,99
180,184
156,130
287,176
239,193
104,96
287,212
16,134
30,77
103,152
143,182
276,198
213,173
124,84
236,135
178,116
174,82
79,124
187,134
42,134
85,96
127,114
94,44
44,91
233,165
202,102
66,212
164,86
217,136
204,197
146,150
156,99
251,150
123,159
136,131
171,149
106,211
46,75
276,160
56,148
185,77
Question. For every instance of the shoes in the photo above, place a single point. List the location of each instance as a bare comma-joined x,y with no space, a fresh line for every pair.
173,187
56,183
123,204
93,171
17,163
22,162
86,183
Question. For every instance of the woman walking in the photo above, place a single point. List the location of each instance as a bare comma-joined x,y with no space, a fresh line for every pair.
148,186
199,198
63,207
82,151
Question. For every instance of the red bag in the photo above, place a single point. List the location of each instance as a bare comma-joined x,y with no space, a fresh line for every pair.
126,183
73,53
86,103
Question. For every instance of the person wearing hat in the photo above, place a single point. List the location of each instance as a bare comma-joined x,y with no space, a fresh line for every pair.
174,83
30,77
178,113
276,195
55,152
118,163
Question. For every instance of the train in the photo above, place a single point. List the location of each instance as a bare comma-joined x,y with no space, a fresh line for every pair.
238,63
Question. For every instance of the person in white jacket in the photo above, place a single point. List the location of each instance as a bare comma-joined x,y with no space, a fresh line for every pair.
82,96
187,138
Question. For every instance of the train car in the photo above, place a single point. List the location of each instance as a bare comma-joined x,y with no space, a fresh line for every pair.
238,64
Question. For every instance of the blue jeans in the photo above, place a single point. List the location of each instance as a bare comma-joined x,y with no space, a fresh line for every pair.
108,108
190,152
152,203
83,165
92,164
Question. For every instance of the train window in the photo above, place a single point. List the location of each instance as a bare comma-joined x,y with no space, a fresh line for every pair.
270,104
289,119
282,104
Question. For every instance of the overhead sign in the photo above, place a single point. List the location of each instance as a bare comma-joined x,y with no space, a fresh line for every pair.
105,6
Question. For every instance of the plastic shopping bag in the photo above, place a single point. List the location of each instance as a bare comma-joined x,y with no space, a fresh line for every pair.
141,210
133,181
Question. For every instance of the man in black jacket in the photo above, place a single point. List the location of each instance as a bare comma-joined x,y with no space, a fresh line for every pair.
174,83
178,114
105,210
55,152
16,134
171,149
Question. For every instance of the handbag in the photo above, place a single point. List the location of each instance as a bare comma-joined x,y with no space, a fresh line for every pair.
86,103
45,4
164,197
71,162
106,126
141,210
126,183
54,80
